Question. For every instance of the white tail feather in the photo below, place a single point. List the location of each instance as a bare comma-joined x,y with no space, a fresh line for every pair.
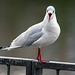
8,48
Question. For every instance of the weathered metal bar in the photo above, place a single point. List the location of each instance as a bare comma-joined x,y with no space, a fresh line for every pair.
14,61
17,62
57,72
8,69
35,70
39,71
28,68
56,65
34,67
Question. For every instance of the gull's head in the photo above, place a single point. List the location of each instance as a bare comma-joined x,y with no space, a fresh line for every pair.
50,12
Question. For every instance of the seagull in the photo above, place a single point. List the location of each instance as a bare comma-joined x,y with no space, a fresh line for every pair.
39,35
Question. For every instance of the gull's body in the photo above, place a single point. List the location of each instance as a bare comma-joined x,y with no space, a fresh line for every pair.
42,34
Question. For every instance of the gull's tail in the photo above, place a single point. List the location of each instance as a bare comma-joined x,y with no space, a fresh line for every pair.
8,47
4,48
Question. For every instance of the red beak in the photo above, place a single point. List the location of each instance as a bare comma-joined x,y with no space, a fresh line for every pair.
49,15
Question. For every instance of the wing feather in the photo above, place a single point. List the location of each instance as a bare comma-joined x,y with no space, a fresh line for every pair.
28,37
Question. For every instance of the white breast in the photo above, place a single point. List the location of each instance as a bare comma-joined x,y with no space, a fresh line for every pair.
50,35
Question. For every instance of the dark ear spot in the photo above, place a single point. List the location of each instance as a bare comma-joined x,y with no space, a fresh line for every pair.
46,10
53,11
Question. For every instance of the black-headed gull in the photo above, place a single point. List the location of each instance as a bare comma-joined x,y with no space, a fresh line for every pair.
42,34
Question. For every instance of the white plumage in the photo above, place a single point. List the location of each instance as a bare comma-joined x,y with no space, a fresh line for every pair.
42,34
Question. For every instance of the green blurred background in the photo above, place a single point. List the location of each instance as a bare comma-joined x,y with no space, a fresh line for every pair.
17,15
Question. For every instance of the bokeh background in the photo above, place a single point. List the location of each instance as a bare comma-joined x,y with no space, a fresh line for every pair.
17,15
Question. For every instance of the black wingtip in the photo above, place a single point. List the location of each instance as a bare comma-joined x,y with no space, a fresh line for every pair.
1,47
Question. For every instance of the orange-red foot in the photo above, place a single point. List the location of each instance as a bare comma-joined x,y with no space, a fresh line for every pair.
39,56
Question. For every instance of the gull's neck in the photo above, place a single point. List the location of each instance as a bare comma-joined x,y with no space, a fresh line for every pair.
52,20
52,25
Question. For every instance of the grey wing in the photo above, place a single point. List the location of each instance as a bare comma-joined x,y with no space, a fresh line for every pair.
28,37
32,38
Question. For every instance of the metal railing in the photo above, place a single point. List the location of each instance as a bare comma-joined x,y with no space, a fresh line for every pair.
33,67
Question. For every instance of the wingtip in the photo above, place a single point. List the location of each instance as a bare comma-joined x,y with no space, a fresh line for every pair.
1,47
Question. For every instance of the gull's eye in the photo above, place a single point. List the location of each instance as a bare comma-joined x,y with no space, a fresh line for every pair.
53,11
47,10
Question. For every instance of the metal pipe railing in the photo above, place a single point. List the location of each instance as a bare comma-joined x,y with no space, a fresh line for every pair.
34,67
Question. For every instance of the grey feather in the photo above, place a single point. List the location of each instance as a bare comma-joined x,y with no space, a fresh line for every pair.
28,37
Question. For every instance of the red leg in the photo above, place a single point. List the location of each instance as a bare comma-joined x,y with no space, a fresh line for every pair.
39,56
